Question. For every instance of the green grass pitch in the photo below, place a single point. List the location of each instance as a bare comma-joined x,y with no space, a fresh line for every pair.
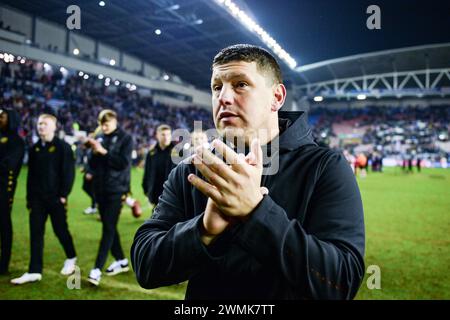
407,220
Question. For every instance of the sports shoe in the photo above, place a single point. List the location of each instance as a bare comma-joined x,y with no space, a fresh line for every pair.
69,267
136,209
117,267
27,277
90,210
95,276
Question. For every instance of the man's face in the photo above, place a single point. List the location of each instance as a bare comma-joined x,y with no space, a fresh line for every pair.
199,139
3,121
164,137
109,126
241,98
46,126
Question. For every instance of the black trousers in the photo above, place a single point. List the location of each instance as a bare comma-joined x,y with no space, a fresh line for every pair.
88,187
6,232
40,210
109,207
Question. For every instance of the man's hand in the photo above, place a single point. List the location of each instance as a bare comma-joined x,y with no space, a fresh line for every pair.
234,188
88,176
63,200
214,222
97,147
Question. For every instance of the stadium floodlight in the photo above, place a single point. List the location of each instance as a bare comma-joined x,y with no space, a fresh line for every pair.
47,67
198,21
112,62
86,76
76,51
133,87
100,76
318,98
117,82
166,77
251,25
81,73
158,32
361,97
102,3
128,85
22,61
174,7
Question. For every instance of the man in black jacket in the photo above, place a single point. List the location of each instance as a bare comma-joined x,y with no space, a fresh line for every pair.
111,166
302,238
11,157
51,173
158,164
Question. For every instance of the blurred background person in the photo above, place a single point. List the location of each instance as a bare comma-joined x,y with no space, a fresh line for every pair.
111,165
158,164
12,149
51,174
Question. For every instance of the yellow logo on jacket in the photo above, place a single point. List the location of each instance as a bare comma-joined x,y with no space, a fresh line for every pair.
4,140
51,149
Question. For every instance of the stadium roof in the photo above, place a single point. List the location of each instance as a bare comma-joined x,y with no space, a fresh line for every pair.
191,34
433,56
310,31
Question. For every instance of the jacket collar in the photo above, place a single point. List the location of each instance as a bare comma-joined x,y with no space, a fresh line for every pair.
294,130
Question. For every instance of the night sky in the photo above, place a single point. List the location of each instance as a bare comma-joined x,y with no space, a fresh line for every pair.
317,30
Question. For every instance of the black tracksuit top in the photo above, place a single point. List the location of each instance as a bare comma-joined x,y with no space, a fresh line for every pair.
305,240
112,171
158,165
12,150
51,170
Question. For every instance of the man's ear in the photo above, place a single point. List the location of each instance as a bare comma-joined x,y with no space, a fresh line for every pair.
279,96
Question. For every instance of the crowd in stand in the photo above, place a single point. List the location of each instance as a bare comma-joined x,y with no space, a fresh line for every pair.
399,132
30,87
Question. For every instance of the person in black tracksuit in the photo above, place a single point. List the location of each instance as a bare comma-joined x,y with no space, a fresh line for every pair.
51,174
88,187
302,238
12,149
111,165
158,164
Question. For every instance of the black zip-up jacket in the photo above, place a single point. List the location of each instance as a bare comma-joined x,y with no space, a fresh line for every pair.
51,170
305,240
158,165
112,171
12,149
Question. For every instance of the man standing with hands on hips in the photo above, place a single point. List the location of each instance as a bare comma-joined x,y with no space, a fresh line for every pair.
234,229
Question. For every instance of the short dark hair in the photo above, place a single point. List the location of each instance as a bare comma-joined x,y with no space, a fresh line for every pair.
265,61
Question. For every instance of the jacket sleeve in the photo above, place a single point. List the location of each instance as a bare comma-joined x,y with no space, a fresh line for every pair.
122,159
30,173
167,249
147,174
67,171
324,257
13,160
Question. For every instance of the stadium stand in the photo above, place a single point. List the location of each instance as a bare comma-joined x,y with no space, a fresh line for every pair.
30,88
